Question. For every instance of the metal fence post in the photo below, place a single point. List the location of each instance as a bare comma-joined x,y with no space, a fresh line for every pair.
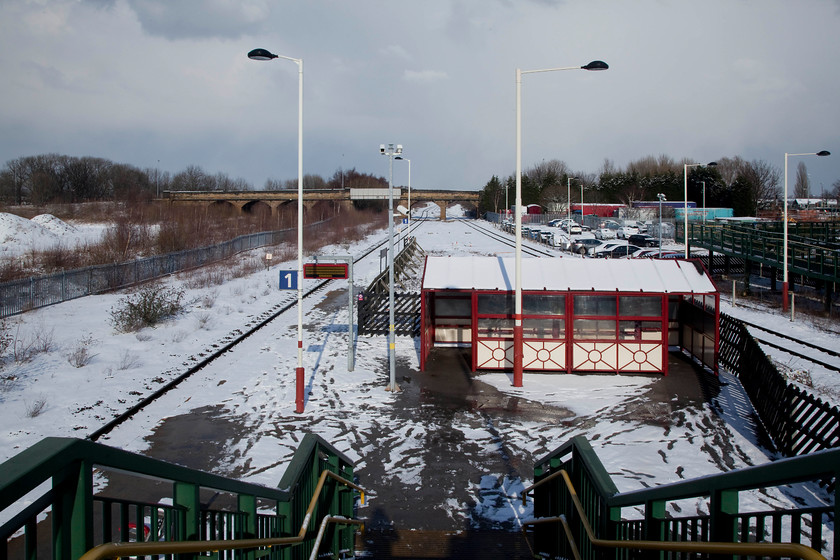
73,511
186,496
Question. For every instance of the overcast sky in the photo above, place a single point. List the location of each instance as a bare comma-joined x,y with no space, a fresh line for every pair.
166,83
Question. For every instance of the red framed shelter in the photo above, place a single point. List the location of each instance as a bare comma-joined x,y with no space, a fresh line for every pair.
579,315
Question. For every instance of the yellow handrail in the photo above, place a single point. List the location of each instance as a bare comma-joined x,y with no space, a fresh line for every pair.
791,550
116,549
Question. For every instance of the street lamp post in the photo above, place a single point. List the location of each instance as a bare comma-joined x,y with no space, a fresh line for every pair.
785,227
685,208
517,317
569,205
662,199
581,205
391,150
409,189
262,54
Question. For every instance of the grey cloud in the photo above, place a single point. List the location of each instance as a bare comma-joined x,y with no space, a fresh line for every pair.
191,19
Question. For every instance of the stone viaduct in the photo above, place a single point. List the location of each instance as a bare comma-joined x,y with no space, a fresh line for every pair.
244,201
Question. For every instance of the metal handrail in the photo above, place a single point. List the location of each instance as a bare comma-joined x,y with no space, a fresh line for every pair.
118,549
792,550
323,528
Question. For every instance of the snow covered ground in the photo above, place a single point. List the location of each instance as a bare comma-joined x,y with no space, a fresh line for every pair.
246,399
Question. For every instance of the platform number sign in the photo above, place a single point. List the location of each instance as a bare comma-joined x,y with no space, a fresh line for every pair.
288,279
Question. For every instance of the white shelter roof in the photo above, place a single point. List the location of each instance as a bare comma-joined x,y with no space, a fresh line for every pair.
567,274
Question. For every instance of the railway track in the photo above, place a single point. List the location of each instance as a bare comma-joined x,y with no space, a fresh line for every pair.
506,240
235,338
795,346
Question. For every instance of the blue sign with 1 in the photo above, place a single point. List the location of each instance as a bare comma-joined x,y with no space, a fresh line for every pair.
288,279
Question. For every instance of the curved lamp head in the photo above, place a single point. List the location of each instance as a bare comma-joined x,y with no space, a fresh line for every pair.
261,54
596,65
711,164
824,153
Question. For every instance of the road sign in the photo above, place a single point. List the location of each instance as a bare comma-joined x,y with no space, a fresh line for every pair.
325,271
288,279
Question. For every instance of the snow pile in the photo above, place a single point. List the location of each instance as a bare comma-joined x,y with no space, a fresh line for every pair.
55,225
19,236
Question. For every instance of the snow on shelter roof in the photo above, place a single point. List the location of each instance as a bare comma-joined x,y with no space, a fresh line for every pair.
567,274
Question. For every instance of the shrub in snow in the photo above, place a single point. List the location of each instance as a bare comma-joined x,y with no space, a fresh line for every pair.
6,340
81,355
148,307
34,409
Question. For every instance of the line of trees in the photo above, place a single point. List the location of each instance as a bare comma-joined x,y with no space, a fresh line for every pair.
55,178
733,183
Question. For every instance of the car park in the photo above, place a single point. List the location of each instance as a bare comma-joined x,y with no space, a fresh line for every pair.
642,240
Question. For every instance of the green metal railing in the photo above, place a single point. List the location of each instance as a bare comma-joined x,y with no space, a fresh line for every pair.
50,510
813,250
601,521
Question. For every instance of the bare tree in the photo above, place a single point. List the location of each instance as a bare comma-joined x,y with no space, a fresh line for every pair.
730,168
759,181
802,187
193,178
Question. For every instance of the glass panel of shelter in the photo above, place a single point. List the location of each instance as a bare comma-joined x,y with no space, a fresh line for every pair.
453,317
638,317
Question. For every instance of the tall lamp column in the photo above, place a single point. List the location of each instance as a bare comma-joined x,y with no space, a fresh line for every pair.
262,54
517,317
662,199
391,150
685,206
785,227
409,189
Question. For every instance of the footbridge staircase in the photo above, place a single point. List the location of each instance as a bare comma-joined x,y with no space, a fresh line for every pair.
69,499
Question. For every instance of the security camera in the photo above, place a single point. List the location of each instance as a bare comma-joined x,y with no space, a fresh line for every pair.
399,148
381,148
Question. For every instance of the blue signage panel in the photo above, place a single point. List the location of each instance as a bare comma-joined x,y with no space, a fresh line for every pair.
288,279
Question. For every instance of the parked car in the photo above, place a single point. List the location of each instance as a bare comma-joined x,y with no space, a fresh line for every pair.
585,245
609,246
604,233
621,232
655,254
560,240
640,227
617,252
573,228
569,226
642,240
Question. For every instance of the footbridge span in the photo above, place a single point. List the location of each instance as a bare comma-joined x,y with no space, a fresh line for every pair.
247,201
